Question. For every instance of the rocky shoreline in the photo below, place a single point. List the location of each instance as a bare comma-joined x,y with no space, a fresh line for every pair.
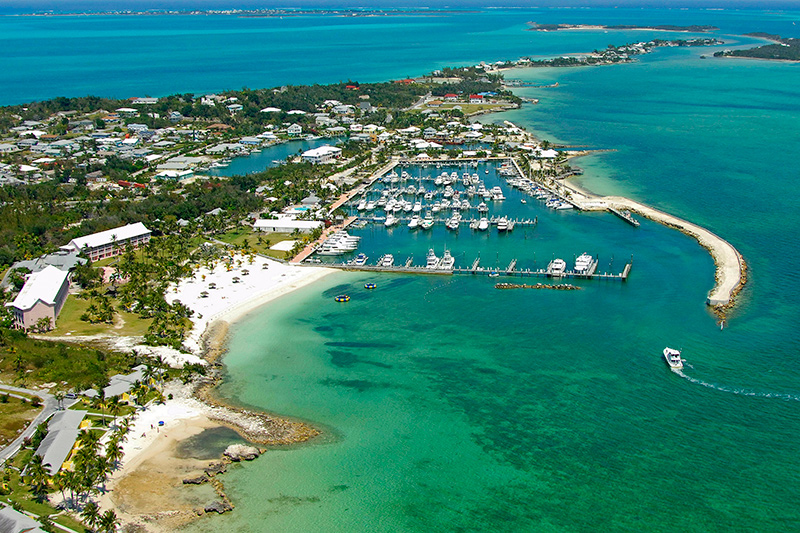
254,426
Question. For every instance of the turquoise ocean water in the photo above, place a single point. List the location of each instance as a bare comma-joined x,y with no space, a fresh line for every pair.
447,405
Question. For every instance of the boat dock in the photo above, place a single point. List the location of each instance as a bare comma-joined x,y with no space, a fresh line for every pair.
512,271
626,216
527,222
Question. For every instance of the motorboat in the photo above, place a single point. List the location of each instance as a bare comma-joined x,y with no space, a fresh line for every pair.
673,358
431,261
447,261
557,267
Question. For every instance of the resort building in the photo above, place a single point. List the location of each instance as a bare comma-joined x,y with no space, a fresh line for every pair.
42,296
63,430
110,242
286,225
294,129
322,154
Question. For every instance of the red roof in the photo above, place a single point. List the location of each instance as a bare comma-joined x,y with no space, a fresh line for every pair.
353,87
475,97
451,95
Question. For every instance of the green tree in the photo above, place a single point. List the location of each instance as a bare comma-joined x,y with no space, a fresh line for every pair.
108,522
38,478
91,514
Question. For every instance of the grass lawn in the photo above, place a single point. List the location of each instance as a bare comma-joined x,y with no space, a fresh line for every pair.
257,240
69,321
14,417
468,109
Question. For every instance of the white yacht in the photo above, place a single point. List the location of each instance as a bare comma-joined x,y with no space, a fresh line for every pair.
497,194
370,206
427,222
432,261
447,261
482,207
362,205
483,224
673,358
391,220
386,260
414,222
557,267
360,260
583,263
502,224
417,207
454,221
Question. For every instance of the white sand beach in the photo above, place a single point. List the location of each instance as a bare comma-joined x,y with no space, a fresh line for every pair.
237,291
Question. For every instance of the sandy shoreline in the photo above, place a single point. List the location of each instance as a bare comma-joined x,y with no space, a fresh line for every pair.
147,491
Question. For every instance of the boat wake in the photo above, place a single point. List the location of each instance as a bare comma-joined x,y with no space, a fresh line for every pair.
740,391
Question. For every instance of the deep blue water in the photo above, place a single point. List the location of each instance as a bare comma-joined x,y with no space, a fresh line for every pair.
126,56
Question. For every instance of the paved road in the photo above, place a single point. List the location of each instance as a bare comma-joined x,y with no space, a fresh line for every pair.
50,407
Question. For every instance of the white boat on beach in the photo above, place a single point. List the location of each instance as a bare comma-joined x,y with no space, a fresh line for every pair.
673,358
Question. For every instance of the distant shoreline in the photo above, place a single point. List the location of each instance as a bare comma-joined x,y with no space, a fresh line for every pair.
621,27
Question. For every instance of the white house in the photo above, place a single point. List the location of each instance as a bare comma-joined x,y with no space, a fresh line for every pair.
294,129
322,154
286,225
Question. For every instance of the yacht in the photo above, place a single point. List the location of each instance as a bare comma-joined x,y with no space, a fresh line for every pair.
497,194
483,224
482,207
414,222
370,206
473,225
583,263
502,224
432,261
362,205
360,260
447,261
673,358
427,222
454,221
391,220
417,207
386,260
557,267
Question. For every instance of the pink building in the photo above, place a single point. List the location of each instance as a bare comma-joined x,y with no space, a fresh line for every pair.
110,242
42,296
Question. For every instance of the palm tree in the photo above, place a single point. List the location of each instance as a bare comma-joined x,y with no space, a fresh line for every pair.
91,514
38,479
114,452
114,407
109,522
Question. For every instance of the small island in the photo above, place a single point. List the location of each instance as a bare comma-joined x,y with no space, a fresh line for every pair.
662,27
781,49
